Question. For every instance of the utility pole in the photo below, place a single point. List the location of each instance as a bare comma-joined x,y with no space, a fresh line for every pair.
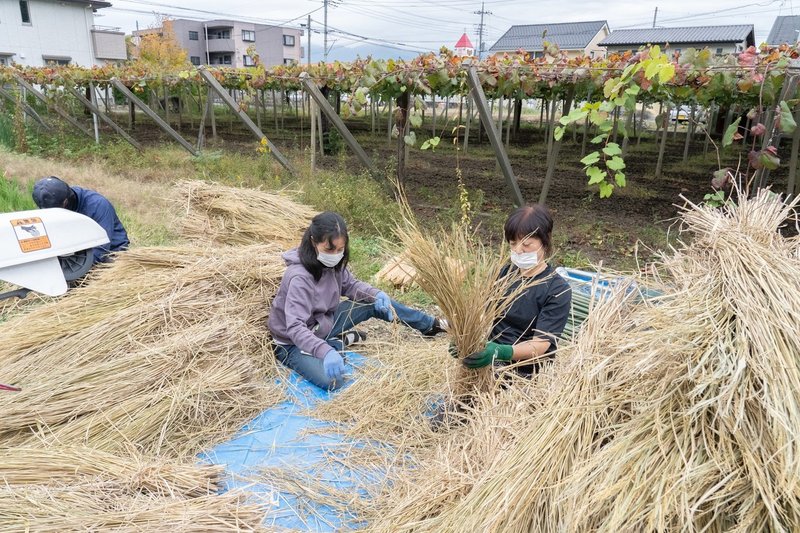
481,27
325,33
655,15
308,45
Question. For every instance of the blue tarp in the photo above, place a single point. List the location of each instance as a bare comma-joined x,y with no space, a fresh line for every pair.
279,437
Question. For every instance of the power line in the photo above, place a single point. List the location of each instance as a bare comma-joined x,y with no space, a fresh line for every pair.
481,27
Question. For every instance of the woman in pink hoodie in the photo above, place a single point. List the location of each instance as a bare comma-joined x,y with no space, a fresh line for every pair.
309,321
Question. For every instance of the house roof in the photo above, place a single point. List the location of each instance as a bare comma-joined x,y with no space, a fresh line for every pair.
692,34
94,4
567,35
784,30
464,42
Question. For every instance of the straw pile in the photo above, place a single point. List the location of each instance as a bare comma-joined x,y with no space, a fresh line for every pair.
164,351
683,414
680,413
209,212
85,489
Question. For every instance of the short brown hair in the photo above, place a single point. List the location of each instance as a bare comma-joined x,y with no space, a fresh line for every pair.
531,220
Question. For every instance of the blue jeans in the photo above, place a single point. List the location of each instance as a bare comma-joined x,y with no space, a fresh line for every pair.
348,314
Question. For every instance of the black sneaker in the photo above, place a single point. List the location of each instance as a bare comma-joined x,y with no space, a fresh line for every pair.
439,326
352,336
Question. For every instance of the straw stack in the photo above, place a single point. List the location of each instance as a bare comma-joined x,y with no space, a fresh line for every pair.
83,489
678,414
209,212
165,351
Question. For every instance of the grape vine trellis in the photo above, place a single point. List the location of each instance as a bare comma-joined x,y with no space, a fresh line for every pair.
754,80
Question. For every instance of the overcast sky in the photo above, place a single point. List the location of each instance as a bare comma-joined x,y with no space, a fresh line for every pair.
387,28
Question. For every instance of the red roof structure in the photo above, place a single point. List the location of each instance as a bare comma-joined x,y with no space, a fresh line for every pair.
464,42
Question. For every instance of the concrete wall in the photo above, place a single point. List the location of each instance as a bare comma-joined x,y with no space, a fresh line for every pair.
56,30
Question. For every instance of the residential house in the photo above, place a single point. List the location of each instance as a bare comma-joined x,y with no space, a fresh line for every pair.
785,30
230,42
464,47
41,32
719,39
574,38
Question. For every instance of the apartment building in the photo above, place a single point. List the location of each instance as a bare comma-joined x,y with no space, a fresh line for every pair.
229,42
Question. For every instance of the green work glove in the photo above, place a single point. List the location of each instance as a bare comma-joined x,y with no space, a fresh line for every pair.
492,352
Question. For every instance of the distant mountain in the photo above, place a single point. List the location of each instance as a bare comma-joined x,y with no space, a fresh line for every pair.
341,53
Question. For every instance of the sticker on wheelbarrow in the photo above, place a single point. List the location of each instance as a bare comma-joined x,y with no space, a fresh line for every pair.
31,234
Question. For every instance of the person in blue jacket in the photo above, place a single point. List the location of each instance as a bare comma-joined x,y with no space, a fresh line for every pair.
55,192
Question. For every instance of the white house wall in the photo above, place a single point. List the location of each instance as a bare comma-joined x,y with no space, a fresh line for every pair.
592,49
56,30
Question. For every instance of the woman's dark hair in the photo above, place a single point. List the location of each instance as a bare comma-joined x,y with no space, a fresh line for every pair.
531,220
325,227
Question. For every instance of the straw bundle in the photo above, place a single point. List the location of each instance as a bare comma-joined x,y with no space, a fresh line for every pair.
679,415
29,465
164,351
462,275
80,489
103,506
210,212
393,391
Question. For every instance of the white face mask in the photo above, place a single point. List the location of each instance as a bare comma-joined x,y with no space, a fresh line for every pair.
330,260
525,261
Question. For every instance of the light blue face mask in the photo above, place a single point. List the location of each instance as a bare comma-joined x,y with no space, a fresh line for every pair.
330,260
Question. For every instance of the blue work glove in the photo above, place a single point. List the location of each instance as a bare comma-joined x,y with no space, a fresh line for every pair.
333,365
383,305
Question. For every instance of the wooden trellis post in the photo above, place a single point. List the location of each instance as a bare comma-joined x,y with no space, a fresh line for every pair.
231,103
31,112
52,105
105,118
326,108
494,138
153,116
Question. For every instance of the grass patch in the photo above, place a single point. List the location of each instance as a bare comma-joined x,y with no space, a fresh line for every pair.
362,201
13,196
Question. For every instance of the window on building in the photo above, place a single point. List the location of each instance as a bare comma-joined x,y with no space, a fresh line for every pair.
5,60
719,51
60,61
25,11
248,61
222,34
194,36
288,61
226,60
248,36
288,40
195,60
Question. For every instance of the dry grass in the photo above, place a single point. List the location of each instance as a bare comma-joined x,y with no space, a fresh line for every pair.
675,414
223,215
679,415
164,351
